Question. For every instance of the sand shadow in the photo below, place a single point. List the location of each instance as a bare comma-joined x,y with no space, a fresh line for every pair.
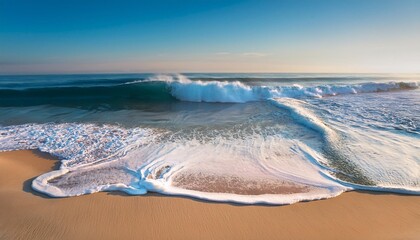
158,195
27,185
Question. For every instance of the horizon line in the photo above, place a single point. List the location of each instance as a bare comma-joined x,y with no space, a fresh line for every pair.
198,72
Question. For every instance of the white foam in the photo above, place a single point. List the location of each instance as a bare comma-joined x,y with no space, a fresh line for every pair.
41,184
271,199
108,158
255,158
75,144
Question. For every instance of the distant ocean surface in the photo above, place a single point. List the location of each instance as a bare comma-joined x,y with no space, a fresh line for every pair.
247,138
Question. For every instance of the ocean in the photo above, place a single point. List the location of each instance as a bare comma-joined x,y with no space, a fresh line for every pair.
245,138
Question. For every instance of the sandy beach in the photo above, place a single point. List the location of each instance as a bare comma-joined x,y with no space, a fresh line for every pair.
26,214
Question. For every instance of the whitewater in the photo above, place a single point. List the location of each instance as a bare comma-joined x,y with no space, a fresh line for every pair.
246,138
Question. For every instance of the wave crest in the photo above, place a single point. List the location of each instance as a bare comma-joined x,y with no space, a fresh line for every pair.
185,89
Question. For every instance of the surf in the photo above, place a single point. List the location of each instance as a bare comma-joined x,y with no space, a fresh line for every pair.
241,140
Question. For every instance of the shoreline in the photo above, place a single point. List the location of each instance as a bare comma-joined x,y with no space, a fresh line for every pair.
110,215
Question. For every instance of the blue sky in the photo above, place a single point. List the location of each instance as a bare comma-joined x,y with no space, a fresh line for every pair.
209,36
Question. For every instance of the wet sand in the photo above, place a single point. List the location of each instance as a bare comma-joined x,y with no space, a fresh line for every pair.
25,214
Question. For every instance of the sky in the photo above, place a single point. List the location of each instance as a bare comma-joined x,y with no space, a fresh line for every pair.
340,36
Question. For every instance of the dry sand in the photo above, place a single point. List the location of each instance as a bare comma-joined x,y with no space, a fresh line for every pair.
25,214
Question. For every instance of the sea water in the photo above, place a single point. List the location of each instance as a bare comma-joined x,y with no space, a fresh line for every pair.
248,138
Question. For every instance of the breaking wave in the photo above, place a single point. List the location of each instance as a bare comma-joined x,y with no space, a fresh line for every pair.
177,87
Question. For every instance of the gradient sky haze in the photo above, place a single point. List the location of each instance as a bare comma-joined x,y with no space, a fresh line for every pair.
370,36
